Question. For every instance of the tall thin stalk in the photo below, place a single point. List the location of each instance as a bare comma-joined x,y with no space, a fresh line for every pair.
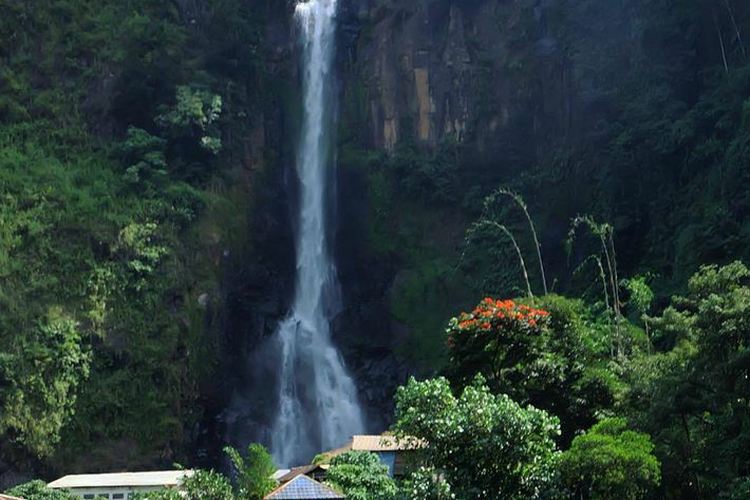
490,223
721,44
602,275
605,233
525,209
737,33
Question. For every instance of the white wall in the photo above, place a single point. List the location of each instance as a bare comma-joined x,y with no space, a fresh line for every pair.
114,493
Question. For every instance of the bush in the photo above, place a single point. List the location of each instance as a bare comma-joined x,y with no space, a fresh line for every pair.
361,476
610,462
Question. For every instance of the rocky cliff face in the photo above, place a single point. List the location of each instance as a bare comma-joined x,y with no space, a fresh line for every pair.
465,71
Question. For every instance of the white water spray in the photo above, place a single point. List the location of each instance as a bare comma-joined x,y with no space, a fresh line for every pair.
318,407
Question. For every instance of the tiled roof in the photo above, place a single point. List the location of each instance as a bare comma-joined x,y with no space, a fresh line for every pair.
303,488
157,478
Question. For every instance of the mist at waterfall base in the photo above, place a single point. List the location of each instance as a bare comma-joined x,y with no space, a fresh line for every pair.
298,374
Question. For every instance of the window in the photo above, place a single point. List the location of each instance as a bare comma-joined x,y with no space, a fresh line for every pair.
89,496
118,496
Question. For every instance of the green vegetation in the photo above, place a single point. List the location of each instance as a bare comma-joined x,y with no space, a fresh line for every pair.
487,445
113,147
405,220
360,475
37,490
253,471
610,462
683,390
554,356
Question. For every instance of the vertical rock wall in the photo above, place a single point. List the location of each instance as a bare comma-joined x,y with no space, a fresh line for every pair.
467,71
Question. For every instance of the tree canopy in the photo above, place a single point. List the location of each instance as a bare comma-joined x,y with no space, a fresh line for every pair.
487,445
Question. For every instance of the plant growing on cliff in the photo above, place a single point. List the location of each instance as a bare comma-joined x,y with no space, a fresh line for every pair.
39,379
489,220
195,114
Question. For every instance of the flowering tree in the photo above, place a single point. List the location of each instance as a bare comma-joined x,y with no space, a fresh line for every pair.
496,339
550,353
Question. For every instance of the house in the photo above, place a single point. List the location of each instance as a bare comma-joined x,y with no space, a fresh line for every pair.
120,485
303,488
392,452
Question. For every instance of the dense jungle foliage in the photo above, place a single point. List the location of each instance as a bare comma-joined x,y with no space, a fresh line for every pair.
621,370
116,190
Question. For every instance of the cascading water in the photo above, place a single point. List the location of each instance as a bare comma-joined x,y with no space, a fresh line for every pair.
318,407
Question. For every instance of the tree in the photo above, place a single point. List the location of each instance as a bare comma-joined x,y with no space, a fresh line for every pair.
361,476
692,396
610,462
38,490
143,156
203,485
497,339
487,446
552,355
253,472
207,485
426,483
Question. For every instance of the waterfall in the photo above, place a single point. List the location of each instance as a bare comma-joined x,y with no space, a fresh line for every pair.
318,407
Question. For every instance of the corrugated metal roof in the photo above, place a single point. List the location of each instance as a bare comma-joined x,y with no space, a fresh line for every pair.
8,497
298,471
280,473
123,479
303,488
383,443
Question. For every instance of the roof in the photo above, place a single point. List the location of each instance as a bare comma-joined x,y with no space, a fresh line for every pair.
290,474
303,488
383,443
280,473
132,479
8,497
